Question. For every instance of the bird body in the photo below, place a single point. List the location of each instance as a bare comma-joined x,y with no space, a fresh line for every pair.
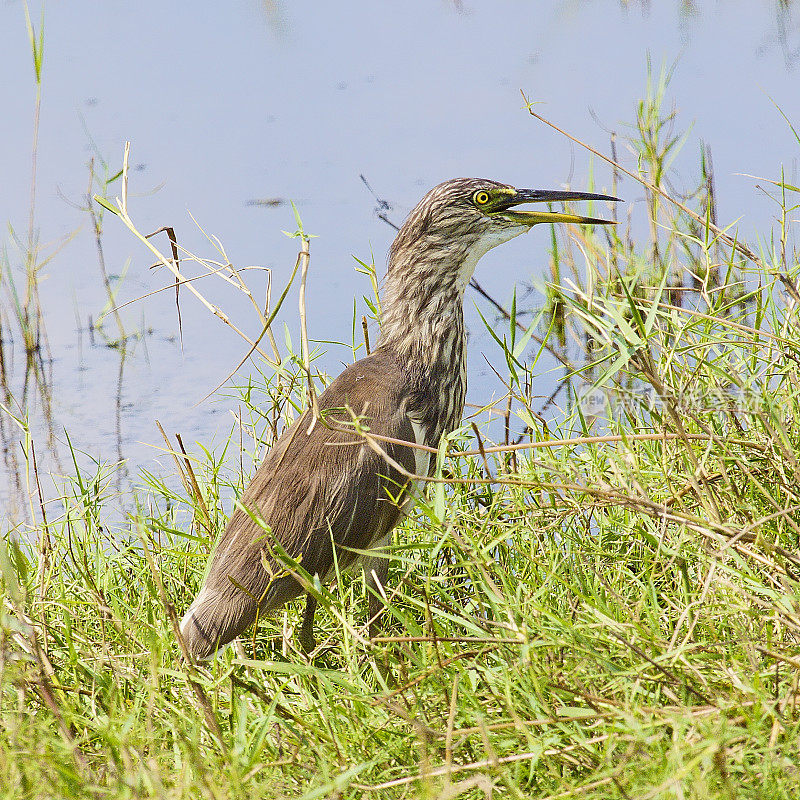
349,497
322,493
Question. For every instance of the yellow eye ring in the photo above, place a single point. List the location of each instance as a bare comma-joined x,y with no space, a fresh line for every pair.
480,198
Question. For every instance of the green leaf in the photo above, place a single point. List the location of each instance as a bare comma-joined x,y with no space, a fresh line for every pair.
37,47
106,204
519,349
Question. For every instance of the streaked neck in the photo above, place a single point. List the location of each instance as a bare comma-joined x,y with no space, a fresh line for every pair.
422,316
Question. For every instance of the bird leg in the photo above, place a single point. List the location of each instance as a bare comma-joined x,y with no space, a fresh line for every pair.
376,572
307,640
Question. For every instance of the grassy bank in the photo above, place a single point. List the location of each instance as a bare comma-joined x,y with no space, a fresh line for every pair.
606,608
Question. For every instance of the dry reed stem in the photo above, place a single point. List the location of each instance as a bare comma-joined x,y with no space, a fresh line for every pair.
266,318
265,330
473,765
577,441
211,273
451,723
451,639
122,212
366,334
100,255
178,466
734,243
44,539
305,261
198,495
481,450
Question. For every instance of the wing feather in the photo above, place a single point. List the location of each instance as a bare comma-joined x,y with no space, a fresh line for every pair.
319,492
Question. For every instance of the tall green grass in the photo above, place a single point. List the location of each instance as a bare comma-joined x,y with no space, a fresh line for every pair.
606,609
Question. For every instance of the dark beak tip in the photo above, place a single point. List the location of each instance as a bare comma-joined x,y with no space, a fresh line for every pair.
592,221
558,195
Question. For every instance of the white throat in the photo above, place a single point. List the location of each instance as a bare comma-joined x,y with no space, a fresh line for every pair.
490,239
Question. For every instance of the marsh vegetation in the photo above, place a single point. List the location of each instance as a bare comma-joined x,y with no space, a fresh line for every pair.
596,597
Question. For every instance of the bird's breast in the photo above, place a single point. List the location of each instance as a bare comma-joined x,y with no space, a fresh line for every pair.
437,406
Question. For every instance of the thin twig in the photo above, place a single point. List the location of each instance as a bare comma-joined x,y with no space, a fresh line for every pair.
184,479
305,260
122,212
44,540
98,239
198,495
729,240
580,440
491,763
173,242
559,356
481,450
366,333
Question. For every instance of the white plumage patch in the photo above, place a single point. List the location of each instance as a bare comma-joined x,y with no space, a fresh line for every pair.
422,459
490,239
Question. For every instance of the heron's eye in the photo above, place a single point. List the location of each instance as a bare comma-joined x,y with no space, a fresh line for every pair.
480,198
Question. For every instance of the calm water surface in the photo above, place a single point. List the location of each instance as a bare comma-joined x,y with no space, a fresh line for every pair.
229,103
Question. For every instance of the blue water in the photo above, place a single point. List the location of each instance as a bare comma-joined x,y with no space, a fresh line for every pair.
225,104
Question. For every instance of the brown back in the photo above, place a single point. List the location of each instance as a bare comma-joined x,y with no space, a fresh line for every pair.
314,493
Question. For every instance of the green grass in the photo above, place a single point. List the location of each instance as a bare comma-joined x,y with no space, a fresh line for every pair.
615,617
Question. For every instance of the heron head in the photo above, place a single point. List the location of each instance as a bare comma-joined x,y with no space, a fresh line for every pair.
460,220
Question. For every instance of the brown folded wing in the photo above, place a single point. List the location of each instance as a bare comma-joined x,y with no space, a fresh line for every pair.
319,493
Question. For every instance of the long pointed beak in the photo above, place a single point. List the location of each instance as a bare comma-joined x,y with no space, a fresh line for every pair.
530,218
